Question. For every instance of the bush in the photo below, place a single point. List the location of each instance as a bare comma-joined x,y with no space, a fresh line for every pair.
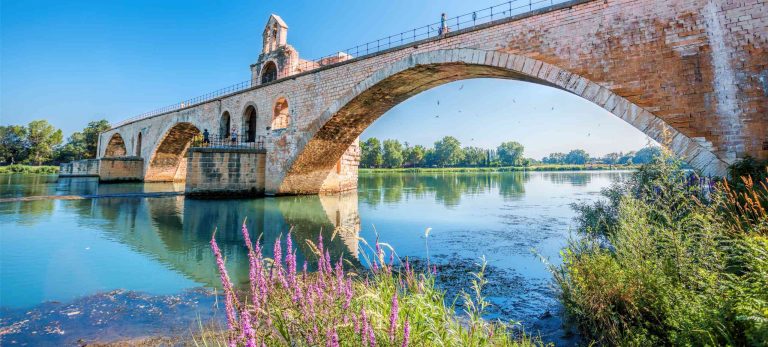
670,259
18,168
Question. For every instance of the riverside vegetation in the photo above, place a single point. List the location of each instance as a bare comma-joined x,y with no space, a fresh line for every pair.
672,259
390,305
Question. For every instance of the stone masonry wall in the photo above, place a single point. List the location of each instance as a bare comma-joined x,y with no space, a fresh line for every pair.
80,168
121,169
225,172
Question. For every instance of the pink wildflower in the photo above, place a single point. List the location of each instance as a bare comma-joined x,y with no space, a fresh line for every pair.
226,284
406,332
248,332
393,318
333,338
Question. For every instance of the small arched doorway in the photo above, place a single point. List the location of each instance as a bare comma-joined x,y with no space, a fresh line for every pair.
250,124
224,125
138,145
280,116
269,72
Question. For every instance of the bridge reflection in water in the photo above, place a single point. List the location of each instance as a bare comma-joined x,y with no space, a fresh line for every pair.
175,231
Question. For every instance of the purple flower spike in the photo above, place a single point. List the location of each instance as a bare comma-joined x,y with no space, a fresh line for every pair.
248,332
406,332
226,284
393,318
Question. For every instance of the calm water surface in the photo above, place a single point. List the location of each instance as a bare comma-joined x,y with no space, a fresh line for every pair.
71,252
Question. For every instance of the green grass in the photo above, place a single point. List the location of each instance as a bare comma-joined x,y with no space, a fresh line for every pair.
544,167
28,169
664,260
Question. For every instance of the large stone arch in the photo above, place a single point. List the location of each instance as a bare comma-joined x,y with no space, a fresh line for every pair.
331,134
167,162
115,146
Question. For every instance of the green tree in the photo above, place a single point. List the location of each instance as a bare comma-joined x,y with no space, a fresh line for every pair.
554,158
510,153
393,153
74,149
91,136
415,156
13,144
474,156
577,156
612,158
448,151
646,155
42,139
371,155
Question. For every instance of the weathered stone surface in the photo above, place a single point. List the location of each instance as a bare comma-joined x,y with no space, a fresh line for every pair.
121,169
693,71
225,172
80,168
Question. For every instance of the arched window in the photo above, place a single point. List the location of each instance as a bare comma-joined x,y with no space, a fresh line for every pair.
280,117
269,72
224,125
138,145
250,124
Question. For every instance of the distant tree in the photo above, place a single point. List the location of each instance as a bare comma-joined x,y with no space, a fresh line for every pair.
13,144
611,158
448,151
371,154
554,158
42,138
74,149
474,156
91,136
393,153
646,155
577,156
510,153
415,156
626,158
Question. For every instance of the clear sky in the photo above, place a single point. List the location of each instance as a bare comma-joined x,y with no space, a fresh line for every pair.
71,62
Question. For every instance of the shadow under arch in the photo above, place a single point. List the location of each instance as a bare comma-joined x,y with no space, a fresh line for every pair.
336,128
116,146
168,161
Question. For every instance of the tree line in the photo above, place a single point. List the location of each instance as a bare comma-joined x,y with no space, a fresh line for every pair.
39,143
448,152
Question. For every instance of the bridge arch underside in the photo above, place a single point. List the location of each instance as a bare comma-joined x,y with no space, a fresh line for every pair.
346,119
116,147
168,162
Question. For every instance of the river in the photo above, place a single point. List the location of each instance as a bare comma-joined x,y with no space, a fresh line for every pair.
120,267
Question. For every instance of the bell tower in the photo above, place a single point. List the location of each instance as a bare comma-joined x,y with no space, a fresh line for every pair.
278,59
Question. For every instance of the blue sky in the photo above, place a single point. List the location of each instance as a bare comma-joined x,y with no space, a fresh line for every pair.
71,62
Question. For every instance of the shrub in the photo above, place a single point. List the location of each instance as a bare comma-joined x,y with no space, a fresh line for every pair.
670,259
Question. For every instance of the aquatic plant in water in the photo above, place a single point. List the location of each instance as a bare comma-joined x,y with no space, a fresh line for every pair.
340,306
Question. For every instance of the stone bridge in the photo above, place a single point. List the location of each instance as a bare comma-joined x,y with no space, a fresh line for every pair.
691,74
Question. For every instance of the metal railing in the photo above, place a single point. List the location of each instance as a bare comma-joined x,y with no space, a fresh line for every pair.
228,142
464,21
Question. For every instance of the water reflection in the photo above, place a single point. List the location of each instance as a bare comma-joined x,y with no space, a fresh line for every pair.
173,233
447,188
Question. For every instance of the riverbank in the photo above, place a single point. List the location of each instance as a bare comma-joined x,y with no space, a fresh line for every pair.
28,169
596,167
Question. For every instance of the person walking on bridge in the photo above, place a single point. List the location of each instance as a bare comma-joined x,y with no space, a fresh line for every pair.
443,26
206,140
234,135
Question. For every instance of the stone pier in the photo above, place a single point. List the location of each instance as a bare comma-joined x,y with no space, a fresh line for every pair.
225,172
